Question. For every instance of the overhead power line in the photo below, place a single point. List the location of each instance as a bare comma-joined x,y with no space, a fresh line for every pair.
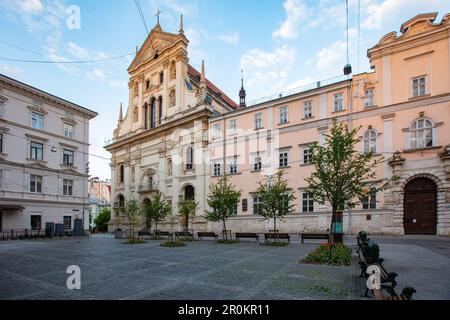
67,62
138,6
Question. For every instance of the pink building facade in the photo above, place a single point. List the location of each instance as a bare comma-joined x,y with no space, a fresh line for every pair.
403,108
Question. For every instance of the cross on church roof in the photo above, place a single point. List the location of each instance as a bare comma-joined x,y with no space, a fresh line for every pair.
158,12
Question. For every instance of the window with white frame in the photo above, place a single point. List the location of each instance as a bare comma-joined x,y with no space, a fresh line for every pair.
370,141
306,155
421,134
257,163
68,157
233,126
258,121
307,109
35,183
369,201
217,168
37,120
233,167
284,115
217,131
419,86
338,102
369,98
67,187
307,202
256,204
36,151
283,159
68,130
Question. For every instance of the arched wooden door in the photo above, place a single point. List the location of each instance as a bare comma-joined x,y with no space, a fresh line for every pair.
420,216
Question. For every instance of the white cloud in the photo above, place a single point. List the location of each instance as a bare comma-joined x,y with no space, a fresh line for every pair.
332,56
229,38
296,10
10,71
31,6
299,83
266,72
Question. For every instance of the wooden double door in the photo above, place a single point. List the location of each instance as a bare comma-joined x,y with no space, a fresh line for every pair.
420,214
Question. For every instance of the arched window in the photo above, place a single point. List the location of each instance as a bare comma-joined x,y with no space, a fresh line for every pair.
121,201
153,113
169,167
172,98
121,174
189,158
370,141
189,193
160,109
135,114
421,134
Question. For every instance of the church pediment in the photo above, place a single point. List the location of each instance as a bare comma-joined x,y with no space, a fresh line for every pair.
419,24
155,44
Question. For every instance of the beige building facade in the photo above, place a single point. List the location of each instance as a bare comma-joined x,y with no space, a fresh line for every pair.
44,153
403,108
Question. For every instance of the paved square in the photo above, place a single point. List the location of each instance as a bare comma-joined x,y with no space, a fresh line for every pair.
206,270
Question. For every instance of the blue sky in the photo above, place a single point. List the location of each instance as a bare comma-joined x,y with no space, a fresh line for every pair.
279,44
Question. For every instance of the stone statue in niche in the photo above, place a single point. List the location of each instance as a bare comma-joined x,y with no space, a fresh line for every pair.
173,70
172,97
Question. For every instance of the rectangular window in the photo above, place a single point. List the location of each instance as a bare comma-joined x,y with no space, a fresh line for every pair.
338,102
67,220
233,126
35,183
256,204
36,151
257,163
283,115
133,174
233,166
258,121
189,158
1,179
68,131
67,187
35,222
1,143
419,86
307,203
161,77
284,156
217,131
307,109
68,157
147,84
307,155
369,202
216,169
37,120
369,98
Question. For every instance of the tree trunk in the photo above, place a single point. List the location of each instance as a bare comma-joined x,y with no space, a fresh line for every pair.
224,229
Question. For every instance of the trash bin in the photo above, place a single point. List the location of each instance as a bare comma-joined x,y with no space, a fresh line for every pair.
119,234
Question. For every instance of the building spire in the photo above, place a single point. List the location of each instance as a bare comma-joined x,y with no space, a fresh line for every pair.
181,24
242,92
203,78
120,114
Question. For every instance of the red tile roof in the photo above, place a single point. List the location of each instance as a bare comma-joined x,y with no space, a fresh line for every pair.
192,71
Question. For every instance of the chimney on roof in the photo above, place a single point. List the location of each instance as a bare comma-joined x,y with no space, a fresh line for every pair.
242,92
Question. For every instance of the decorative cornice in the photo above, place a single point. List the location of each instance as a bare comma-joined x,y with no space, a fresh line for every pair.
68,146
69,121
36,137
37,109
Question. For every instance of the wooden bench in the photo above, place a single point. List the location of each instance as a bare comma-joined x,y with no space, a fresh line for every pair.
316,236
246,235
277,236
183,234
200,235
158,233
144,232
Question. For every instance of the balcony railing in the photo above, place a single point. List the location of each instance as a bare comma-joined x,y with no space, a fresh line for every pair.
147,188
307,87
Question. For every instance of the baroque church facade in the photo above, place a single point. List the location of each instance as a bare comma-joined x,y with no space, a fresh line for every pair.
162,139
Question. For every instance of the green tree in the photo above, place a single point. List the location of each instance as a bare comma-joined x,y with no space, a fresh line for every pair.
102,220
276,198
223,198
132,210
187,209
157,209
342,174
